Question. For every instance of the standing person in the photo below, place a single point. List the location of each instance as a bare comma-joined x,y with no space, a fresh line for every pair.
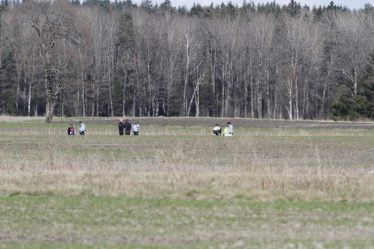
71,130
217,130
136,128
120,127
127,127
82,128
231,128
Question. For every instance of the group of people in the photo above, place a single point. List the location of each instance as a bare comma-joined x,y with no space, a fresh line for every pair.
228,131
82,129
126,126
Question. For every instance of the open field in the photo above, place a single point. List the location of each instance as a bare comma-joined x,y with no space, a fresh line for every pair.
275,184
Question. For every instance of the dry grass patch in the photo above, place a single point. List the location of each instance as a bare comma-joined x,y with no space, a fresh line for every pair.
266,164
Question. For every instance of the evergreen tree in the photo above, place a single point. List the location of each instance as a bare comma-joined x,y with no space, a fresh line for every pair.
75,2
352,106
166,5
8,83
147,5
369,9
229,9
124,70
182,11
197,10
105,4
293,8
367,89
128,4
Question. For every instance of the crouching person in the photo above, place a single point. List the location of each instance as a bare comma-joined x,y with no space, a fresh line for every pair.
228,131
82,128
71,130
217,130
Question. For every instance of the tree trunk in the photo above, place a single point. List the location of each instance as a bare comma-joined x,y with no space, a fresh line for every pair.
150,100
290,98
268,101
297,100
197,101
50,102
252,97
355,81
245,95
77,104
213,78
184,111
258,99
29,99
50,108
110,91
124,95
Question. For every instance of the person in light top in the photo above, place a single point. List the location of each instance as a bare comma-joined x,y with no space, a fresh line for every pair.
217,130
228,131
82,128
231,128
136,128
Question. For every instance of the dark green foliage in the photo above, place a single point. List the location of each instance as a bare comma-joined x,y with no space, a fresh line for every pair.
293,8
147,5
361,105
369,9
126,34
367,89
105,4
345,107
269,8
8,85
166,6
75,2
124,67
197,10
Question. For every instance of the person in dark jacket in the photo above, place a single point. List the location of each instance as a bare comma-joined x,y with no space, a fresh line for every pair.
120,127
71,130
127,127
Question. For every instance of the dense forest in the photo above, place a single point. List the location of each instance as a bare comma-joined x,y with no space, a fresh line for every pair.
105,58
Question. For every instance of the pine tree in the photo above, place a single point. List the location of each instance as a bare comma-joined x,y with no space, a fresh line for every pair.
367,89
124,70
293,8
128,4
166,5
147,5
8,83
352,106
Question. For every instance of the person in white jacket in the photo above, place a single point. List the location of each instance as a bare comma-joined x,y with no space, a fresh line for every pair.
217,130
228,131
136,128
231,128
82,128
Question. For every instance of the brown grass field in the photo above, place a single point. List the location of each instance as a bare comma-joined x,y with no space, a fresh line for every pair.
275,184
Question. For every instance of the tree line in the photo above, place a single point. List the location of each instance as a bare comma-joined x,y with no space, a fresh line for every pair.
104,58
